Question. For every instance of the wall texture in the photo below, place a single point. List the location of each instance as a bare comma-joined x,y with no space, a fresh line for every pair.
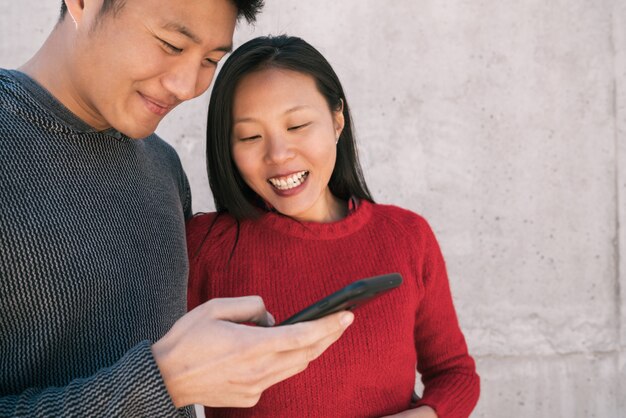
502,122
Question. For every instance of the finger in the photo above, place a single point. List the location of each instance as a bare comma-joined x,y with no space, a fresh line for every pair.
242,309
312,352
288,364
268,322
307,334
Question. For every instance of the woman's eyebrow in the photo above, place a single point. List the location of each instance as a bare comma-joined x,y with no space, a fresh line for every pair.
286,112
296,108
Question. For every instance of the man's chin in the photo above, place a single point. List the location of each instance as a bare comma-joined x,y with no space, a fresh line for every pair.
140,137
139,132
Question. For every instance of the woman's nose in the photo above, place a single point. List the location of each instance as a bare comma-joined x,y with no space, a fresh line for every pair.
278,149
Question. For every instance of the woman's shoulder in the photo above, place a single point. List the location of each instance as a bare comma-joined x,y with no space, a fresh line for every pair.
198,220
403,224
201,224
398,216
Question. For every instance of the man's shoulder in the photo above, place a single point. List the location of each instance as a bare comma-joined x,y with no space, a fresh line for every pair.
17,104
163,158
6,77
9,86
162,149
156,142
17,109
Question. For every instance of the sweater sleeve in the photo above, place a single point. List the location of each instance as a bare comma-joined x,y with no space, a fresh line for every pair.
132,387
198,229
451,385
186,198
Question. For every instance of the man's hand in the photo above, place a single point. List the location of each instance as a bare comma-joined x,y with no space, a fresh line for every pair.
421,412
208,358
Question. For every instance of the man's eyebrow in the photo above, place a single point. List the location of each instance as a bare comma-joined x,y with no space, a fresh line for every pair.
180,28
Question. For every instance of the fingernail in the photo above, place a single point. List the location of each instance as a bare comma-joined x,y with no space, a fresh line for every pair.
270,319
346,319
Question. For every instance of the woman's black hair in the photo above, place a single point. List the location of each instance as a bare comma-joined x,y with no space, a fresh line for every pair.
230,192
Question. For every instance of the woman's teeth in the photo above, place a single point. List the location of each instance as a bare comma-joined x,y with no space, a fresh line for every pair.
286,183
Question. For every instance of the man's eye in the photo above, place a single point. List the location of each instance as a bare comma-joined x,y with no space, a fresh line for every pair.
171,48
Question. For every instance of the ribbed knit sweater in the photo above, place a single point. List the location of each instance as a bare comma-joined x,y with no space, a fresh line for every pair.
93,265
370,371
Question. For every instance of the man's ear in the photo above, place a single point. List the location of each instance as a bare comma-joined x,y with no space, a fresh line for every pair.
339,121
75,10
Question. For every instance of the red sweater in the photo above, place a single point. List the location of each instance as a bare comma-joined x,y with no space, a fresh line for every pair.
370,371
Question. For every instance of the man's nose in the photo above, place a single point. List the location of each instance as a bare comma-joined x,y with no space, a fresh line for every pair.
187,79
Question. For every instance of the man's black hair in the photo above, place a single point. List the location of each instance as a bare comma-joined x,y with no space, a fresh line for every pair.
246,8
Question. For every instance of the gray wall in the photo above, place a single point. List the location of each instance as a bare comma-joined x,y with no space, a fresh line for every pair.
502,122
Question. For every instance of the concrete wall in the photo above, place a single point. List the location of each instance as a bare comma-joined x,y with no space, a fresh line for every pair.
504,123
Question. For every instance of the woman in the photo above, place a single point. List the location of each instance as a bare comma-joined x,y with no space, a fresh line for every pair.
295,221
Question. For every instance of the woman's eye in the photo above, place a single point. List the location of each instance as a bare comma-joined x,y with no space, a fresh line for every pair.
249,138
295,128
171,48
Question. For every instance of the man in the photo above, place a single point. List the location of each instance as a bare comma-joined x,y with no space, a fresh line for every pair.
93,265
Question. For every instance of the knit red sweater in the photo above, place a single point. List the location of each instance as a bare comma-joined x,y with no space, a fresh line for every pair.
370,371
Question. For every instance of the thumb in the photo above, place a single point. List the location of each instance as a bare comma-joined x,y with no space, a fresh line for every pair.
242,309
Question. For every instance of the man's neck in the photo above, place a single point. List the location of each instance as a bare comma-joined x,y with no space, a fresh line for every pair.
50,67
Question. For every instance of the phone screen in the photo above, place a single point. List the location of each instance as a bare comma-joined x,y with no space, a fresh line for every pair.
348,298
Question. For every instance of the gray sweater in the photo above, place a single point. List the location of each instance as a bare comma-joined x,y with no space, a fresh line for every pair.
93,263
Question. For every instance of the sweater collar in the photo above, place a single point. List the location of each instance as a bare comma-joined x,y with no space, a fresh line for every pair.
56,108
358,215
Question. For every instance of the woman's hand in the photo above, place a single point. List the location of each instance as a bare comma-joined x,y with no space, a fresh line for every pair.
421,412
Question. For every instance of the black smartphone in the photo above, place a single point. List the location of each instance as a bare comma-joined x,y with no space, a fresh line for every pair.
348,298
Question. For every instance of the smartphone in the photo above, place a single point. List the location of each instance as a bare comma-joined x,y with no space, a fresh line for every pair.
348,298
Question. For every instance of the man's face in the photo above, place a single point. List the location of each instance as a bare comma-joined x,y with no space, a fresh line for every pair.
129,69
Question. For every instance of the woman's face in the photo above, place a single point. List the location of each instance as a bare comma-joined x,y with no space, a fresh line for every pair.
284,143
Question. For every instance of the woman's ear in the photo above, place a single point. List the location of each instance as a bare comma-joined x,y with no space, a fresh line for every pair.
338,121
